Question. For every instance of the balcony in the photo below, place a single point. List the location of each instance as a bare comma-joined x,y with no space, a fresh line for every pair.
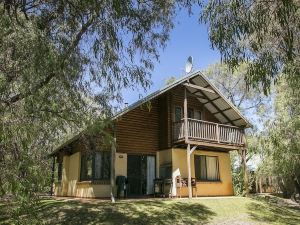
208,132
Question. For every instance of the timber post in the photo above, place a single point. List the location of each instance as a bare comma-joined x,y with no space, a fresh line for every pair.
188,152
112,166
189,170
185,116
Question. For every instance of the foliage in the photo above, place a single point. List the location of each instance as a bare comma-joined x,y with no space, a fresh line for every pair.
248,100
233,86
281,154
265,34
170,80
60,62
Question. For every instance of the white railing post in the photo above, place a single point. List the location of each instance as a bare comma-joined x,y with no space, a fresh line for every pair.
185,117
218,133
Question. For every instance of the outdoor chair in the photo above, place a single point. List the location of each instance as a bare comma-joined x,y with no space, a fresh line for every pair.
183,183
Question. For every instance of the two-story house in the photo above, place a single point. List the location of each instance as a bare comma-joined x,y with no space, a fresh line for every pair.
186,129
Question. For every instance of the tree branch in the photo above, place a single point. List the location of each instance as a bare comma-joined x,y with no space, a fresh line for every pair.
46,81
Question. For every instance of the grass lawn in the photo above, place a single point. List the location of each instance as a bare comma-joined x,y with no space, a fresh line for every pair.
231,210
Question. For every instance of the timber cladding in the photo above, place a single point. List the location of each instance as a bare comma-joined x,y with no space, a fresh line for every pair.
192,102
148,128
137,131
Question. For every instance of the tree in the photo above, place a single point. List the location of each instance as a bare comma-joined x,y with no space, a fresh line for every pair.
265,34
281,154
250,101
60,62
170,80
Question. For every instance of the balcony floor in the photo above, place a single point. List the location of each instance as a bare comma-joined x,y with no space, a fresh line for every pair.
208,144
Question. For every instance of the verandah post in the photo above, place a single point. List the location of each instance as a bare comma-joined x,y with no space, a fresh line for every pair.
185,117
188,153
112,166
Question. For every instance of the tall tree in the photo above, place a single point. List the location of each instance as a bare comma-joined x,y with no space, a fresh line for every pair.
263,33
281,153
60,62
251,102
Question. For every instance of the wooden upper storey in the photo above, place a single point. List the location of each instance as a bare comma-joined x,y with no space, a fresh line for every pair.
188,111
152,126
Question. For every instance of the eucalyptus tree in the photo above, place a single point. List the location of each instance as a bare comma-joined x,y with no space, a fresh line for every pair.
62,61
281,153
252,103
263,33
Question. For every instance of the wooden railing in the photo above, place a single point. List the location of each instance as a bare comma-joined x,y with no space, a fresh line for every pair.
208,131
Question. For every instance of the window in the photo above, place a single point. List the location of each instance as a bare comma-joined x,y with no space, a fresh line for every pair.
178,113
197,115
86,167
58,169
190,113
207,168
95,166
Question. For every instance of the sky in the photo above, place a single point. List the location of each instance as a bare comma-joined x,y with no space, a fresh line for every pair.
188,38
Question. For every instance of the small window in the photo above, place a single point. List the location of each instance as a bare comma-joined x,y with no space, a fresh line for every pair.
197,115
191,113
178,113
207,168
95,166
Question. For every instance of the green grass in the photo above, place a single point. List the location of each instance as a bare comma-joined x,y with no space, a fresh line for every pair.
153,211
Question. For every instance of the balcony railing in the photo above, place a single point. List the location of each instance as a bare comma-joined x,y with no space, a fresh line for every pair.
208,131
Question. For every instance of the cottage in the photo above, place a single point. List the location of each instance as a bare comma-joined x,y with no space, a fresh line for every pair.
183,140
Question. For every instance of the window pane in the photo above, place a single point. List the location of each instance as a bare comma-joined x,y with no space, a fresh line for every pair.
203,175
190,113
106,165
86,167
197,115
178,114
59,171
98,163
83,168
89,164
212,168
197,167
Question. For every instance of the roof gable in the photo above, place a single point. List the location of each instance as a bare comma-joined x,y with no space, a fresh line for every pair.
206,93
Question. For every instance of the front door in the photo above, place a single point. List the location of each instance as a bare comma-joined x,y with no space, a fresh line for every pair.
140,174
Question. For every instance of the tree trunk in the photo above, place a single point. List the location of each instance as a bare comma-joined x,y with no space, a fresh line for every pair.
245,173
246,180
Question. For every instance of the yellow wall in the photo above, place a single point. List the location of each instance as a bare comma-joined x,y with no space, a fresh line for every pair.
224,187
71,185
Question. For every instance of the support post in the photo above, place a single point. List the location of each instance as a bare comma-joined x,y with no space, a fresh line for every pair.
188,154
112,166
185,116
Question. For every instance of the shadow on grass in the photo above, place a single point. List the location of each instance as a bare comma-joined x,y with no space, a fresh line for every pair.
125,212
269,212
4,216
